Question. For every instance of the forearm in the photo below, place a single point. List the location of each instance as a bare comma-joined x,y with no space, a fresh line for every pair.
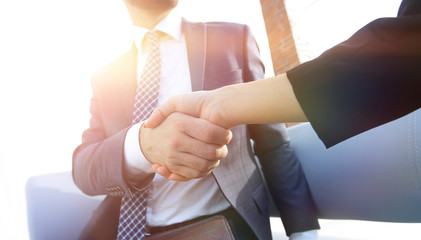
97,165
368,80
265,101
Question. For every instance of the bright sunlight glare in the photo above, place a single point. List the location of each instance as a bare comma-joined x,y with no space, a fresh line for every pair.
50,48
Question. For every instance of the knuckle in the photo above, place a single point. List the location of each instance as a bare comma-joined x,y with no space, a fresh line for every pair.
222,152
175,169
228,137
170,159
179,120
216,153
217,163
212,153
203,166
178,124
211,166
174,143
208,135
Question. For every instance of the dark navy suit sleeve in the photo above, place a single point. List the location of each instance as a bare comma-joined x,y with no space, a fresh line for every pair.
285,177
372,78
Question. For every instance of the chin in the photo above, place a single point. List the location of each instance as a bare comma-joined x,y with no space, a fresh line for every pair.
154,4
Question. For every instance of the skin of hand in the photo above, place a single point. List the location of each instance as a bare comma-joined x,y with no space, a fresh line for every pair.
264,101
194,104
195,110
188,146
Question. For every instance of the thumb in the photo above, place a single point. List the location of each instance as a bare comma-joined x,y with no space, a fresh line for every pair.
188,103
157,117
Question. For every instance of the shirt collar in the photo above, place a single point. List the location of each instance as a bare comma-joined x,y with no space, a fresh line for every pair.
170,25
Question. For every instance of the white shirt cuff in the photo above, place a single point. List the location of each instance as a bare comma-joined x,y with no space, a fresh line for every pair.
133,156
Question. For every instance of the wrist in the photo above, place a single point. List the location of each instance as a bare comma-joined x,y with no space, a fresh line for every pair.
217,106
142,139
134,160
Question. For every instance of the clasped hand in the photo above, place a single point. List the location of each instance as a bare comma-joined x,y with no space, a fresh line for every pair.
188,147
255,102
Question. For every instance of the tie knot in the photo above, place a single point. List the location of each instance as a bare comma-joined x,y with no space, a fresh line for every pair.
151,39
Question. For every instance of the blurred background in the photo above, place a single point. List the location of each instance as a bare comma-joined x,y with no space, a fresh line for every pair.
50,48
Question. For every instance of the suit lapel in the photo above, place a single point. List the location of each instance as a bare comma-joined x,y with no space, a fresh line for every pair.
195,34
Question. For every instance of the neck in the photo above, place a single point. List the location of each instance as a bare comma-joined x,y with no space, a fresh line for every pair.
147,19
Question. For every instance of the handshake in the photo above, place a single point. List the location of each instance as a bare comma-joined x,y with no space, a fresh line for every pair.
188,134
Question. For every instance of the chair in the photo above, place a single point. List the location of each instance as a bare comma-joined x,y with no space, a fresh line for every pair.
56,208
374,176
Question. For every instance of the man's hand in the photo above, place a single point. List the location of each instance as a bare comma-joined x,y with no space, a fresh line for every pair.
165,172
185,145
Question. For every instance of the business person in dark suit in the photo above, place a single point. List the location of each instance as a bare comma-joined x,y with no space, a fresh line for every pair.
115,155
370,79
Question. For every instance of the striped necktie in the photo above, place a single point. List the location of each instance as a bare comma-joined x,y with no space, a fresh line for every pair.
132,222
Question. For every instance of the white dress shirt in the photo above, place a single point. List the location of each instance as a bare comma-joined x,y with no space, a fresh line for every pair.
171,202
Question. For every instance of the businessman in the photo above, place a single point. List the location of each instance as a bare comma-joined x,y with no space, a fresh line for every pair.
170,56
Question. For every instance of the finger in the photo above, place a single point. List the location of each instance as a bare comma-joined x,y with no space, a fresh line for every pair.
195,154
158,115
163,111
165,172
185,172
206,131
155,166
190,172
179,178
186,144
189,103
209,152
